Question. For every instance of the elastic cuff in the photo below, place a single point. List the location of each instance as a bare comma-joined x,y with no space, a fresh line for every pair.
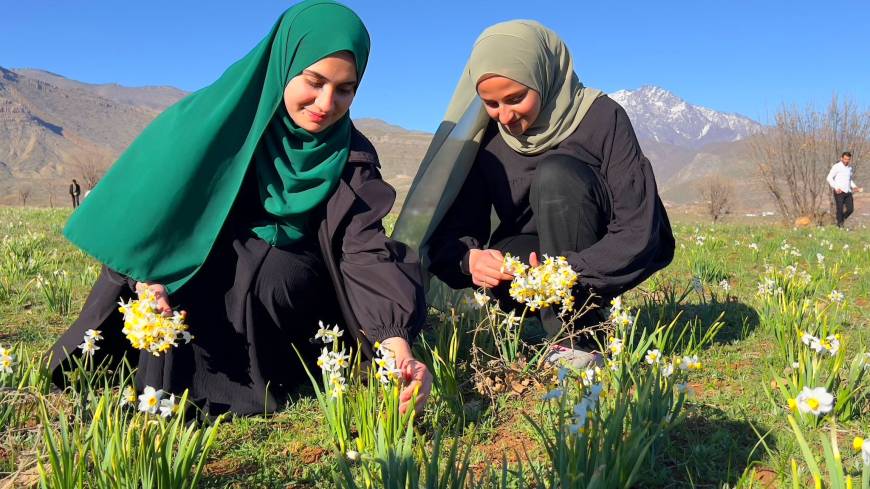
383,334
464,265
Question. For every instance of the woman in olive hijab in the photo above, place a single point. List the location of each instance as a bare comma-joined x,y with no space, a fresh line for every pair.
266,220
559,164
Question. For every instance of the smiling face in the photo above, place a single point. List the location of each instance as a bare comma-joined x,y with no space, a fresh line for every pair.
514,105
322,93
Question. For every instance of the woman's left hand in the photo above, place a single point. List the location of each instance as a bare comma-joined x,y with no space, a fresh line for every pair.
533,259
417,379
415,375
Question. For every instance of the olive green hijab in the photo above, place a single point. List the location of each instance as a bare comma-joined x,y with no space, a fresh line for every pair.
158,211
529,53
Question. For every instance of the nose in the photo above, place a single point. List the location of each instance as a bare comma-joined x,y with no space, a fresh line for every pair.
505,116
326,100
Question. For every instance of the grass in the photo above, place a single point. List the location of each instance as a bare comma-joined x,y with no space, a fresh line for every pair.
726,416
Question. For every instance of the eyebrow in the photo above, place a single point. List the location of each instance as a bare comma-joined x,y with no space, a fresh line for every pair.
508,96
317,76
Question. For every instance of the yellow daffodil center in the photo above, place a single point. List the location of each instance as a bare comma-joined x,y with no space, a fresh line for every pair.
858,443
813,403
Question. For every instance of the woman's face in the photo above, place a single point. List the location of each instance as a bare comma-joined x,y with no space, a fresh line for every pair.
322,94
514,105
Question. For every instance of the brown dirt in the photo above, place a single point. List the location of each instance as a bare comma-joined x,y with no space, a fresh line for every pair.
311,455
766,477
228,468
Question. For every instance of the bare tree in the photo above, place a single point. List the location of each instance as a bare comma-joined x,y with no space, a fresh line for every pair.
795,155
718,194
24,193
91,172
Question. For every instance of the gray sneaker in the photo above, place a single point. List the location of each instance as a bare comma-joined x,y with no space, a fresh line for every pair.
560,356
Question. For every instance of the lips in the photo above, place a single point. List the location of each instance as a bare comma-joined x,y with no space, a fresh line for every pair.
316,117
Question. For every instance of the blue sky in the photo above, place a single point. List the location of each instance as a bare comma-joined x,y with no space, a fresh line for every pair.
739,56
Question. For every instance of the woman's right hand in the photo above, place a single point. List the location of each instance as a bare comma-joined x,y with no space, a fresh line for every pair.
160,295
486,268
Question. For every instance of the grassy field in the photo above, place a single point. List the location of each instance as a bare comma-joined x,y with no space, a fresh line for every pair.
725,424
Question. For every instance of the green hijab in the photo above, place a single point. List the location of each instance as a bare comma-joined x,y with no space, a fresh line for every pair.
158,211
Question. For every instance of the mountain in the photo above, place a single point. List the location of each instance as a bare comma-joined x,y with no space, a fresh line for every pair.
53,129
727,161
659,115
399,150
687,144
51,133
155,98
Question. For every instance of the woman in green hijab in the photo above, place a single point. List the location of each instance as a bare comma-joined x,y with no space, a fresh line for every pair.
255,206
560,166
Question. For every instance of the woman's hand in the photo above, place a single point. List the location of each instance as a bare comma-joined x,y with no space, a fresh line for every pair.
415,375
160,295
486,268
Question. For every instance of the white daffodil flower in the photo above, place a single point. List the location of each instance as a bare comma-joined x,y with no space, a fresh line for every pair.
815,401
168,407
93,334
89,347
149,401
327,335
480,299
128,396
6,363
615,346
690,363
653,356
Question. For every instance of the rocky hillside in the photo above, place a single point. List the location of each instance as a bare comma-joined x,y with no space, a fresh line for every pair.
53,129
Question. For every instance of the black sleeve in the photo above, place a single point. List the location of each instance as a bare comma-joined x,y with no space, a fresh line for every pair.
466,226
639,240
382,277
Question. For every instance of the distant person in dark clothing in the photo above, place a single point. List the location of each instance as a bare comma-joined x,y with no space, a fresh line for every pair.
75,191
840,180
561,167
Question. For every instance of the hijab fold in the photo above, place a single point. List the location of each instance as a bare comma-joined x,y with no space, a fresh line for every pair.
157,212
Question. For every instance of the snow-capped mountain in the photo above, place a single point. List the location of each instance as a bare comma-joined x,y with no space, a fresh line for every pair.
659,115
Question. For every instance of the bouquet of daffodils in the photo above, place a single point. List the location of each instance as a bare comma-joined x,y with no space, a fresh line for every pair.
547,284
148,329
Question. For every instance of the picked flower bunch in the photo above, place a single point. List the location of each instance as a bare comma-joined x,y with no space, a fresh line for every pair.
544,285
148,329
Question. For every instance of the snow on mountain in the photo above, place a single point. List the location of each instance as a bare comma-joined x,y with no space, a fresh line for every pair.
659,115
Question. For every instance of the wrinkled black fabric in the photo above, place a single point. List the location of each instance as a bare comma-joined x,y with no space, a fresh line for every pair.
572,211
638,239
250,300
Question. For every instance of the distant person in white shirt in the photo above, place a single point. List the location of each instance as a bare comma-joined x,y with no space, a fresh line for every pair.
840,180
